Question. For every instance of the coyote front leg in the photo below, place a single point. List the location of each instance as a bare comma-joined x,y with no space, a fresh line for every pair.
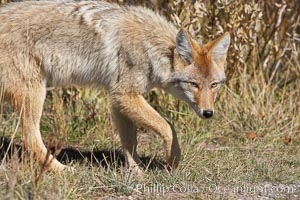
29,101
139,111
127,132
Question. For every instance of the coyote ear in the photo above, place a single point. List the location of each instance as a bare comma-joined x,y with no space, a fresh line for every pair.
183,45
219,48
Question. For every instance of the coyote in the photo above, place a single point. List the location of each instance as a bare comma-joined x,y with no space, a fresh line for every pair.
127,50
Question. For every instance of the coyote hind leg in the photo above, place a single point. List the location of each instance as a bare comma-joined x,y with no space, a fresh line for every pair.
29,101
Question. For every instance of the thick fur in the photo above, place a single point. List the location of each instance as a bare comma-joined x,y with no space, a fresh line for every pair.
126,50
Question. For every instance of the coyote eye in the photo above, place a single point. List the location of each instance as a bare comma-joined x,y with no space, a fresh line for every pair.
214,85
195,85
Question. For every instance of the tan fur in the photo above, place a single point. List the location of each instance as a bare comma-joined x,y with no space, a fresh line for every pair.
126,50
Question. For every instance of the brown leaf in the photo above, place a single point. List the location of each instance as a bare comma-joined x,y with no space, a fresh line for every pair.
251,135
287,140
262,135
261,116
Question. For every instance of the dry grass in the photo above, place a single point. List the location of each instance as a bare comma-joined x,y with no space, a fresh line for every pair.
252,142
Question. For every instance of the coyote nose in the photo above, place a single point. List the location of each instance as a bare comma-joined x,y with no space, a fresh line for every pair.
208,113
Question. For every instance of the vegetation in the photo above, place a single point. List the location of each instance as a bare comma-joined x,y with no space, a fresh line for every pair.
250,149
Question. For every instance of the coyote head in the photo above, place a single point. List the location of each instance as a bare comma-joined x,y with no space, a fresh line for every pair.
198,71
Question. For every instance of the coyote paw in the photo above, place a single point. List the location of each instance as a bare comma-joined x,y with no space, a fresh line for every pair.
136,171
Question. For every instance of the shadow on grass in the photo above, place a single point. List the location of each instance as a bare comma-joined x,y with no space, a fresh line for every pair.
105,157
